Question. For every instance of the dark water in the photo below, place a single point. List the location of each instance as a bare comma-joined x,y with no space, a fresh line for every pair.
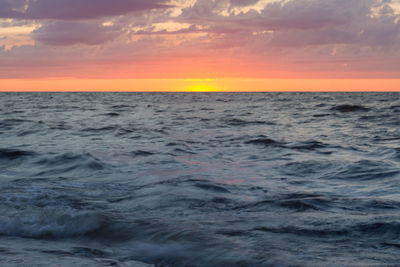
169,179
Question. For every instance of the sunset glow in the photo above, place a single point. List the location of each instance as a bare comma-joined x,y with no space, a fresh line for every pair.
287,44
201,88
239,133
183,85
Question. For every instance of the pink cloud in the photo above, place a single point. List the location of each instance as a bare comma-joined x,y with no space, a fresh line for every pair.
294,36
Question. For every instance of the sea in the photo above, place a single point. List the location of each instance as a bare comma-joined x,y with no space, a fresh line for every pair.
199,179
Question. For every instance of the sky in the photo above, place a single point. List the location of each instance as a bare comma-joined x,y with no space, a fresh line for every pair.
200,45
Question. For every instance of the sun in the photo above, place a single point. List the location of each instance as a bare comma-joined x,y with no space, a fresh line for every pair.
200,88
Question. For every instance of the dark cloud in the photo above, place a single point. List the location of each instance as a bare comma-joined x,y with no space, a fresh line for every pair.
190,29
320,34
74,9
243,2
8,8
304,14
300,23
313,38
71,33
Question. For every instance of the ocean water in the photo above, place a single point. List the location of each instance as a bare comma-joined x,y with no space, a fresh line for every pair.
199,179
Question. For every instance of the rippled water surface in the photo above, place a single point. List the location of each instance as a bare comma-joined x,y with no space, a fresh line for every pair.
245,179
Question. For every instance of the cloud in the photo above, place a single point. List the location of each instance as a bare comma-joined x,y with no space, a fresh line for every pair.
271,35
243,2
8,8
73,9
282,15
297,23
71,33
303,14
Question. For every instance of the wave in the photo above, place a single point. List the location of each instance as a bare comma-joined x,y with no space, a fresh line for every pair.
122,106
350,108
366,170
371,204
13,154
101,129
67,162
394,107
383,139
141,153
396,154
112,114
309,145
212,187
321,115
308,168
305,146
302,231
239,122
306,204
12,122
187,181
179,148
390,230
50,222
299,202
265,142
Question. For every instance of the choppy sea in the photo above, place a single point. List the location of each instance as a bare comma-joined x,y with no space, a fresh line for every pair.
199,179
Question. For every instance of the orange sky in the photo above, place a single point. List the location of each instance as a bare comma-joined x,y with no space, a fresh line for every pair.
227,45
182,85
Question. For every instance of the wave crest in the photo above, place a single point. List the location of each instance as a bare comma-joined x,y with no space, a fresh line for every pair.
50,222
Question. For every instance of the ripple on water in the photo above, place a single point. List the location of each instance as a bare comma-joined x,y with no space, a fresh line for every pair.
269,179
